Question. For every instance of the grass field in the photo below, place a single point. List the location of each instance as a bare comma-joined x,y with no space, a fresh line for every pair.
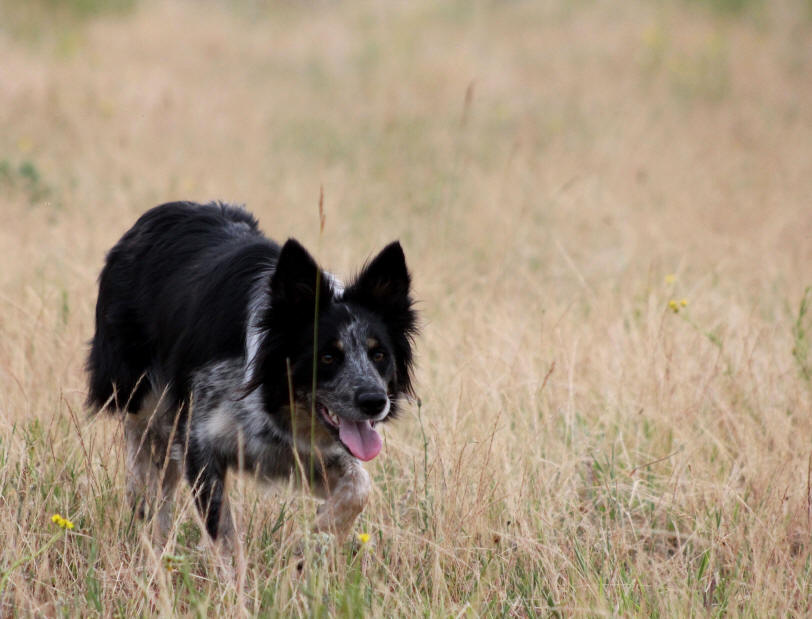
607,209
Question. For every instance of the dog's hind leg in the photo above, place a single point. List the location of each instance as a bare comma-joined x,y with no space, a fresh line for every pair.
169,475
152,472
346,493
141,479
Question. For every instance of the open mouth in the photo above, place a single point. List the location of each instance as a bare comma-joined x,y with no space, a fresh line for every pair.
359,437
328,416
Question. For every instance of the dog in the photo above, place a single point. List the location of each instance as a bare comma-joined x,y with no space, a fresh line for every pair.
225,352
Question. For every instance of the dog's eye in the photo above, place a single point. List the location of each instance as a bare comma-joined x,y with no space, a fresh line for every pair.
378,356
327,359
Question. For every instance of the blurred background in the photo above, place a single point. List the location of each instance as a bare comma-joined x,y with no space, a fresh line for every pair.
641,125
607,208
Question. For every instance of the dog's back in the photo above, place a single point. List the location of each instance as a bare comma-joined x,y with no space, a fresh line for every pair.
178,280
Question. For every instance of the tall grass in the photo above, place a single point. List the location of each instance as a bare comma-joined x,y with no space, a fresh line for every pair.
562,176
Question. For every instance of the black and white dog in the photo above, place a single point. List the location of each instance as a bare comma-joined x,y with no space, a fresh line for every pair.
225,351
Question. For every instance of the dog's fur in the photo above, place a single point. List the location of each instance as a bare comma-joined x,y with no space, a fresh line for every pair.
205,342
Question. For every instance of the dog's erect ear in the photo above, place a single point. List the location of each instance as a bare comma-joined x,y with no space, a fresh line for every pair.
296,279
383,287
384,283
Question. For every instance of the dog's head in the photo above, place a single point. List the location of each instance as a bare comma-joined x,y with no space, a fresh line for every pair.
357,339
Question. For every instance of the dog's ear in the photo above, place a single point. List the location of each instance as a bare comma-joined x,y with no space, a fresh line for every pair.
296,280
383,284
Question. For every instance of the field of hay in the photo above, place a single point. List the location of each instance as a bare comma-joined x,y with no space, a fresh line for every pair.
607,210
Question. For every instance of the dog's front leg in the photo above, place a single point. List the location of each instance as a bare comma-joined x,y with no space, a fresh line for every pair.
345,491
207,476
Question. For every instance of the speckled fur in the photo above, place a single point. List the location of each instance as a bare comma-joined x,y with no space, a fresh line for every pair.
206,342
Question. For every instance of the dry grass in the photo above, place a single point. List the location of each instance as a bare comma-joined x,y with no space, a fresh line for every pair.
558,172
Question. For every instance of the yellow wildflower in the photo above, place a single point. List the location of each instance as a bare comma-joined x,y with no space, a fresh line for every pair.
25,145
363,538
684,302
171,562
673,306
62,523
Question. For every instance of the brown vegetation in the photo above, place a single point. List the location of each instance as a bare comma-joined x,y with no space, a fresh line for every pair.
558,172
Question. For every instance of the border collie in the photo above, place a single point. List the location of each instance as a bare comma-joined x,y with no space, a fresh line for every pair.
224,351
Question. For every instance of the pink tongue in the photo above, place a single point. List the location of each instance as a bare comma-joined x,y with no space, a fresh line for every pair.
360,438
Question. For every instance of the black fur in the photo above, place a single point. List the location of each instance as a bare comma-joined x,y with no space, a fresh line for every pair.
198,307
173,296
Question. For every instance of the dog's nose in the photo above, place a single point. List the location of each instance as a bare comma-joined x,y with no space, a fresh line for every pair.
371,402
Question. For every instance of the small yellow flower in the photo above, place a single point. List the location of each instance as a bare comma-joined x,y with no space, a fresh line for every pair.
25,145
673,306
171,562
670,278
363,538
62,523
684,302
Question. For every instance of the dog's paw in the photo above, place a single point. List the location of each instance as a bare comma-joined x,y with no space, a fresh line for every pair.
313,549
315,544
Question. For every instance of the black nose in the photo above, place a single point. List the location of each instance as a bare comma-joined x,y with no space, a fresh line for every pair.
371,402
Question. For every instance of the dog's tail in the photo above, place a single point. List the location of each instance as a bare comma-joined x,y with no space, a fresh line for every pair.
119,354
115,383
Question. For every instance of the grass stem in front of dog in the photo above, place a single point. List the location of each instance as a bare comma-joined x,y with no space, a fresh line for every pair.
312,478
312,463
